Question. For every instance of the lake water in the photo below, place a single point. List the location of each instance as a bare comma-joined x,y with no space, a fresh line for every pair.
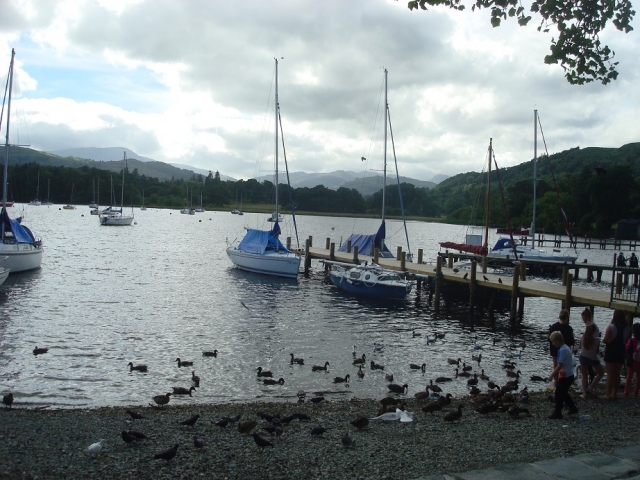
164,288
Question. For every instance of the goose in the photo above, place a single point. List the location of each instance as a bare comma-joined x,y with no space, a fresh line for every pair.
509,366
423,395
446,400
492,385
453,416
462,374
344,379
439,336
8,400
434,388
195,378
162,399
474,380
395,388
443,379
416,334
183,391
474,390
264,373
453,361
271,381
432,407
466,368
210,354
477,358
513,375
360,361
483,376
537,378
360,423
317,368
389,377
183,364
360,372
299,361
40,351
137,368
375,366
415,366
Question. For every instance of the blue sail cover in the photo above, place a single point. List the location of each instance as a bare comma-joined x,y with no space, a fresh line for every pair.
503,243
364,242
20,234
259,241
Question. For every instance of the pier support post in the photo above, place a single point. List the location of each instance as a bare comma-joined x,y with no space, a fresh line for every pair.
618,283
398,253
420,253
523,271
403,261
376,254
589,274
514,299
307,256
327,242
288,243
484,264
520,307
567,294
310,241
449,260
348,246
565,273
332,251
438,279
472,287
355,255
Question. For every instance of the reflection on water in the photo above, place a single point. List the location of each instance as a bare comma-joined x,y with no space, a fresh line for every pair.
164,289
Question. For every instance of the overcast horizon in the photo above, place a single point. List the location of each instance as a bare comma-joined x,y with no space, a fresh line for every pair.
192,83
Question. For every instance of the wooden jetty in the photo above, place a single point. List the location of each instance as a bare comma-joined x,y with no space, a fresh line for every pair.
517,287
582,242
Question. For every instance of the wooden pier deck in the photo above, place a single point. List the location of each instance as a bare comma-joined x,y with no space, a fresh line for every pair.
514,286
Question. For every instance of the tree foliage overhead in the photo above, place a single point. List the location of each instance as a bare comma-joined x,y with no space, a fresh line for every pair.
577,48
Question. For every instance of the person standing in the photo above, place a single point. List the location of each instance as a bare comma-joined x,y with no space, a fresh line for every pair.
615,338
621,261
633,261
562,326
563,375
633,361
589,364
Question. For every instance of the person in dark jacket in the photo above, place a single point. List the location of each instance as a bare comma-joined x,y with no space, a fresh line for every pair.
615,338
621,261
562,326
633,261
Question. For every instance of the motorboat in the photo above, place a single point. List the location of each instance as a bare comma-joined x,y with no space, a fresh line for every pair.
369,279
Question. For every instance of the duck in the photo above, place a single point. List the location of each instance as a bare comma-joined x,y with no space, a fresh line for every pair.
434,388
462,374
524,395
466,368
375,366
360,423
512,374
395,388
183,364
453,361
483,376
439,336
316,399
210,354
474,380
264,373
360,372
492,385
432,407
415,366
299,361
487,408
496,340
183,391
162,399
317,368
195,378
477,358
387,401
453,416
378,347
271,381
423,395
360,361
537,378
137,368
344,379
389,377
446,400
40,351
443,379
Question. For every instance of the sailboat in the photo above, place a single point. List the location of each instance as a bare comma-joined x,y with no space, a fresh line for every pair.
143,207
235,211
113,216
186,210
23,251
240,210
96,210
70,206
36,202
93,203
200,209
371,279
261,251
48,201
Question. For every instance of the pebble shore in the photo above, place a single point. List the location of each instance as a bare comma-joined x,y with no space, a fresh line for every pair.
50,443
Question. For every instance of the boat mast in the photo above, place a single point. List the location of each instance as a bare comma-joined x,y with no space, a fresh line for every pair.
535,179
384,168
6,144
276,146
122,194
488,204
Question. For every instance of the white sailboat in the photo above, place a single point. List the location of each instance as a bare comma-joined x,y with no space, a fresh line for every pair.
93,203
70,206
23,251
186,210
96,210
143,207
48,201
36,201
261,251
200,209
113,216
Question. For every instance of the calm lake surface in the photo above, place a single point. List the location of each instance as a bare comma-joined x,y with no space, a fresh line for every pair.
164,288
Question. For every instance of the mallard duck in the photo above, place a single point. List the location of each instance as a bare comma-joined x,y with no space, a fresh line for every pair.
162,399
395,388
299,361
416,334
183,391
137,368
360,372
389,377
375,366
360,361
195,378
40,351
434,388
537,378
453,361
210,354
453,416
317,368
344,379
271,381
183,364
415,366
264,373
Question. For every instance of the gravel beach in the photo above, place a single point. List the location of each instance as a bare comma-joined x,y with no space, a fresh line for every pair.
50,443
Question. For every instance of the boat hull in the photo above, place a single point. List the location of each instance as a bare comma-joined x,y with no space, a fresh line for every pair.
115,220
21,257
369,286
279,264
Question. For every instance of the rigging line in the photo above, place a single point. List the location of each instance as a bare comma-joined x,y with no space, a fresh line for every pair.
565,219
504,206
4,100
286,166
404,218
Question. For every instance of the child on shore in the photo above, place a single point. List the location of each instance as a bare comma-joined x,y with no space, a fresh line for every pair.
563,375
633,360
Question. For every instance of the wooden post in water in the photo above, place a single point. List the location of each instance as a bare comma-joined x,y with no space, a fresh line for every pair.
348,246
472,287
288,243
376,255
420,253
449,260
618,283
403,261
332,251
307,256
398,253
523,271
514,299
310,241
438,279
327,242
565,273
567,295
484,264
355,255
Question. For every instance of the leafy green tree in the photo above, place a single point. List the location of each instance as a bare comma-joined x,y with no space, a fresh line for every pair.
577,48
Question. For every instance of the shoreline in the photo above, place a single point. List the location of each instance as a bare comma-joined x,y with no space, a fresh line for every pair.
50,443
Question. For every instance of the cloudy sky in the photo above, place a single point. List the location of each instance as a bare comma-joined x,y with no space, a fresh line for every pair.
190,82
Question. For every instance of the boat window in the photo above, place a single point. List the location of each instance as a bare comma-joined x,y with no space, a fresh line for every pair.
367,276
355,275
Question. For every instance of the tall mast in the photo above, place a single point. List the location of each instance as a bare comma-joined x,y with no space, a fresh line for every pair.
122,194
488,204
535,175
384,168
6,143
276,146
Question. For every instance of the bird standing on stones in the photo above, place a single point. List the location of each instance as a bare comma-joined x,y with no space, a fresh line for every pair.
195,378
223,422
134,415
162,399
434,388
261,442
499,280
183,390
318,368
299,361
246,427
453,416
453,361
183,364
199,444
167,454
40,351
95,448
456,270
347,441
264,373
128,438
137,368
8,400
360,423
210,354
317,431
190,422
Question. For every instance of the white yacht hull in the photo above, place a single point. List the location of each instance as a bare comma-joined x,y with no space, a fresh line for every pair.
20,257
279,264
115,220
